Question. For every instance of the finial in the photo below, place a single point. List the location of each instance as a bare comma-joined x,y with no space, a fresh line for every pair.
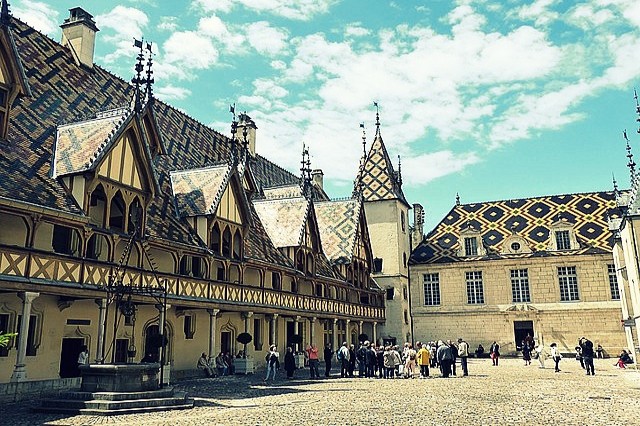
399,171
364,140
138,80
457,199
375,104
234,131
305,169
635,96
616,192
150,80
631,164
4,13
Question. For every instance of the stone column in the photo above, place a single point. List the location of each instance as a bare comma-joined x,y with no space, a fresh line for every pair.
274,324
162,317
213,319
312,324
334,336
20,370
247,325
347,331
296,331
359,329
375,332
102,320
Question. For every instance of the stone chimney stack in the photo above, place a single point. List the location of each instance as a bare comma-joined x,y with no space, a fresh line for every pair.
246,121
318,178
418,224
79,34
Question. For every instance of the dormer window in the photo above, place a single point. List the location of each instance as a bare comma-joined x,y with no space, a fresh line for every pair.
470,246
563,242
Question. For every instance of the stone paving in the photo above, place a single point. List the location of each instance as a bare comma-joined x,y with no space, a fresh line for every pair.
510,394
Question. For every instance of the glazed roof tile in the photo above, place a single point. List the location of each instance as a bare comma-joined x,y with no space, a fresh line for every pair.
338,223
378,178
284,219
528,218
198,191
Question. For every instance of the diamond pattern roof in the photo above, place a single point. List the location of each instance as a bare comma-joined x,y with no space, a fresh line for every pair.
529,218
338,222
379,180
198,191
284,219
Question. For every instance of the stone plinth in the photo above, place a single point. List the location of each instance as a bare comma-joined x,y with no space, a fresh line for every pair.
120,378
244,365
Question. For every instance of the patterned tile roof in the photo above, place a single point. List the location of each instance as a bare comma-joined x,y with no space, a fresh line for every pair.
379,180
286,191
530,219
259,246
284,219
79,145
198,191
338,223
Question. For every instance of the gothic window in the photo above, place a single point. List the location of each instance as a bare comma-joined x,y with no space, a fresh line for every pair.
226,242
300,261
65,240
276,282
97,206
237,245
135,215
215,238
116,214
97,247
309,265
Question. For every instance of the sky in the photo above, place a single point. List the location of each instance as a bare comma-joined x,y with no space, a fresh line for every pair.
490,99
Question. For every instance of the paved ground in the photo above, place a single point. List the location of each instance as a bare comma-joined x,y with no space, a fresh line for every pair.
510,394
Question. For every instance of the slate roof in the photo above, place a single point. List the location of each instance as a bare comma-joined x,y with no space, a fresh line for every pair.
198,191
64,93
338,223
378,178
529,218
79,146
284,219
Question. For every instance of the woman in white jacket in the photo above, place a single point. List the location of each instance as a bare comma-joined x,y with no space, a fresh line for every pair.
556,356
542,354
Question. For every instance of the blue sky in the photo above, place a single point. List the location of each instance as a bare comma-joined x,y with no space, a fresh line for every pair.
490,99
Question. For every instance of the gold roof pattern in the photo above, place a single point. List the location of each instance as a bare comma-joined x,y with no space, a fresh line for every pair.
338,223
287,191
198,191
284,219
378,179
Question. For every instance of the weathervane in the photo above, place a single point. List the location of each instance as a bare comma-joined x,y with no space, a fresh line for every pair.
375,104
305,170
399,171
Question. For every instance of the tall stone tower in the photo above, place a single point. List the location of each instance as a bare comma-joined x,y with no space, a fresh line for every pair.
386,210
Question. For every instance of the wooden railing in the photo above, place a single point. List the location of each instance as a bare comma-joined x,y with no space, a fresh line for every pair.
55,269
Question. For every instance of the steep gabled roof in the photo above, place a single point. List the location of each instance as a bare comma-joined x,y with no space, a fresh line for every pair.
378,179
338,223
529,218
198,191
284,219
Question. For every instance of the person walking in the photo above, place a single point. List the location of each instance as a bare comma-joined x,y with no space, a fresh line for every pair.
289,363
424,359
588,353
273,362
526,352
542,354
312,354
463,353
494,352
328,354
556,356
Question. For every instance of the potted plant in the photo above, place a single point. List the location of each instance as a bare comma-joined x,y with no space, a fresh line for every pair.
244,365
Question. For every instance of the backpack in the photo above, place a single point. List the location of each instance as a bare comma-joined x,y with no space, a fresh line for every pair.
339,355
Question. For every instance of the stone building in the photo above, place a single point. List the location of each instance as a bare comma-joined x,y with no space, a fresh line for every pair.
123,220
501,270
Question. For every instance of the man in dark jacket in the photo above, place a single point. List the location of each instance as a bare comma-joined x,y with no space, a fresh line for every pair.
328,354
445,358
587,355
361,355
371,361
352,359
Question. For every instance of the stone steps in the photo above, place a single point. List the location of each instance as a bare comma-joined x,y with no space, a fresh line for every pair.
113,403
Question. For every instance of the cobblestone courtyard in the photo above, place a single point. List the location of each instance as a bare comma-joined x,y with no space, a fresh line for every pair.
510,394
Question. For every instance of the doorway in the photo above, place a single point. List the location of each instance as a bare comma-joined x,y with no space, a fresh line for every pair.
226,342
290,334
71,347
520,330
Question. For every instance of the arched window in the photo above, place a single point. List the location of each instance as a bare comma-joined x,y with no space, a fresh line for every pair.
97,206
215,238
276,281
135,216
116,215
226,242
402,222
98,247
300,261
237,245
310,265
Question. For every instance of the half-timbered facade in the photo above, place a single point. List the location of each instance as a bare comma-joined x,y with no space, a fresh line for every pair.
99,183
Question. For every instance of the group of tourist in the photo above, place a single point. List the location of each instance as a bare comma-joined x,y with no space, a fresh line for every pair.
221,365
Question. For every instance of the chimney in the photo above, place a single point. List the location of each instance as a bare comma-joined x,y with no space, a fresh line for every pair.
418,224
79,34
318,178
247,122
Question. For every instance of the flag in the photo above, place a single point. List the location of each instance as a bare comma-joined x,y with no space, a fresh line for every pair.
149,46
137,43
362,125
375,104
232,108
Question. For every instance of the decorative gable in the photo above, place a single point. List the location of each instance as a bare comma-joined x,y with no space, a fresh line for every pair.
377,178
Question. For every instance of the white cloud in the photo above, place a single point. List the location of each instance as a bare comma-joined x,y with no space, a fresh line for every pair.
185,52
423,168
356,30
168,23
170,92
302,10
39,15
212,26
539,11
267,40
121,25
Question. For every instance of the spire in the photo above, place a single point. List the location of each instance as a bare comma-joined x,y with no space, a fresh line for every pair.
149,80
305,172
357,184
234,131
457,199
4,12
631,164
616,192
635,96
375,104
399,171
